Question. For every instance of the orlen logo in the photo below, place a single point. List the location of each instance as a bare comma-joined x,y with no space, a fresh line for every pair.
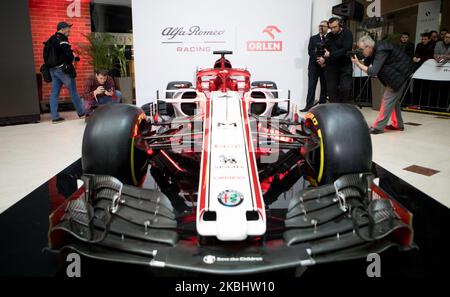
267,45
269,30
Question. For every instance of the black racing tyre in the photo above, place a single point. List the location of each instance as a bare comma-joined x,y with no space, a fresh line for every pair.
109,143
345,143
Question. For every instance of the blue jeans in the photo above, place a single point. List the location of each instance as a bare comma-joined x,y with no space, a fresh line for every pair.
60,78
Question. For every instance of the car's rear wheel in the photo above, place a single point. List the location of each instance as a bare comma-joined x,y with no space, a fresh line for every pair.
165,108
110,143
345,143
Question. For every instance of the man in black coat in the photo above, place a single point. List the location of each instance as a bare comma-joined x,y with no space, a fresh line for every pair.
406,45
338,67
393,68
315,71
424,50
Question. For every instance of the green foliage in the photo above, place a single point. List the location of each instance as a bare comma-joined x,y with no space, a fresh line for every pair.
119,54
99,50
392,38
103,53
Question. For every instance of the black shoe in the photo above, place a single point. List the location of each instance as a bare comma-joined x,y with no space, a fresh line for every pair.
81,115
391,127
375,131
58,120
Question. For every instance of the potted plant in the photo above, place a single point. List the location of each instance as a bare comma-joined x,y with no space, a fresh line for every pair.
124,82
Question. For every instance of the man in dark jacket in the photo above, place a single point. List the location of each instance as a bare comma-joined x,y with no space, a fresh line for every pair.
338,67
315,71
62,70
424,50
100,89
406,45
393,68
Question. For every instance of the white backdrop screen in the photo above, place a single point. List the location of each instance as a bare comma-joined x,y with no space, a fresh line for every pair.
173,37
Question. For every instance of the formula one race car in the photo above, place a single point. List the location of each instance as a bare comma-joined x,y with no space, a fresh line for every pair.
221,154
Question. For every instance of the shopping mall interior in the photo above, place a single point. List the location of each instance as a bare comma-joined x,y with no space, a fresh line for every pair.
55,139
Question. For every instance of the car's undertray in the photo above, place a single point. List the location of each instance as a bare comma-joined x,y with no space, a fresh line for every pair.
346,220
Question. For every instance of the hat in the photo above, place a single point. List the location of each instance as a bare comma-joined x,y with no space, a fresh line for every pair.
62,25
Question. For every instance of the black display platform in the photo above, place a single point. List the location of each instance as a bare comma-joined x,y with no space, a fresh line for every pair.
24,227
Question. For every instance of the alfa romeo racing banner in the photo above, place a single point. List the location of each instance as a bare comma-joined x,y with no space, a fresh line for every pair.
172,38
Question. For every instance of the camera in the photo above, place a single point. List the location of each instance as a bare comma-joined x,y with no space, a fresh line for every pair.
358,53
320,49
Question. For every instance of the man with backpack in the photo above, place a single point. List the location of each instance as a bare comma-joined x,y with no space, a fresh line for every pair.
58,58
393,68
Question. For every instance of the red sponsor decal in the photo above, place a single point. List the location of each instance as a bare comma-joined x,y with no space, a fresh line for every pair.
229,178
264,46
227,146
269,30
194,49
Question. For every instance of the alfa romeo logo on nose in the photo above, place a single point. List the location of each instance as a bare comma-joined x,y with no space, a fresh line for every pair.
230,198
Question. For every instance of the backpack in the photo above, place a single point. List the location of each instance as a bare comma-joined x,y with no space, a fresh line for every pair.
50,54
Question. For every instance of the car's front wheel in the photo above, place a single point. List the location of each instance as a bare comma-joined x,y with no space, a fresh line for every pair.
345,145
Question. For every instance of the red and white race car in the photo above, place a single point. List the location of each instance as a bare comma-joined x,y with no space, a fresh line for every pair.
221,153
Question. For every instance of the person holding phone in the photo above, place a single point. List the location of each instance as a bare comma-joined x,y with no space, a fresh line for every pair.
100,89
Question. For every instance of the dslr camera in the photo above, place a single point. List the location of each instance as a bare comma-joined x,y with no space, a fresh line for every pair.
320,50
358,53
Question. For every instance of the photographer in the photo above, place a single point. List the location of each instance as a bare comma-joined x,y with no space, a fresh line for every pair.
58,57
316,49
393,68
338,67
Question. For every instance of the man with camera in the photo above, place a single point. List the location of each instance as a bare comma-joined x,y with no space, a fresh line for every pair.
100,89
338,67
393,68
58,57
316,49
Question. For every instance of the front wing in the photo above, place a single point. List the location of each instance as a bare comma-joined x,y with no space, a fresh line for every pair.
346,220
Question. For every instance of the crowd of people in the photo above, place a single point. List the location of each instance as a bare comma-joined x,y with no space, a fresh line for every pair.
329,62
433,45
331,57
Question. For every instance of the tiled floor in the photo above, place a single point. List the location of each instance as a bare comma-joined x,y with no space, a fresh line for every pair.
427,145
31,154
